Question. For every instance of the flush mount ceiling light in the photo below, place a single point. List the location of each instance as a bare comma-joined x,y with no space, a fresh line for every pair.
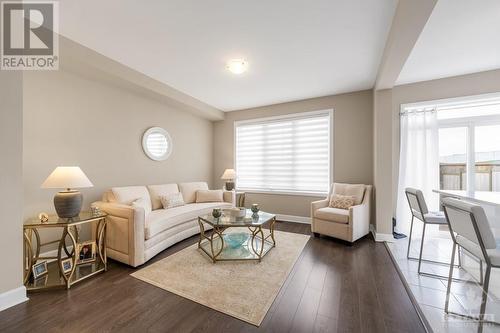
237,66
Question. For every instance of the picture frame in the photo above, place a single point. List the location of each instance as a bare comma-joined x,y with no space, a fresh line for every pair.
67,265
86,252
39,269
41,281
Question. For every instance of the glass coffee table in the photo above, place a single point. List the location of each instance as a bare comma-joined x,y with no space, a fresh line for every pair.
247,243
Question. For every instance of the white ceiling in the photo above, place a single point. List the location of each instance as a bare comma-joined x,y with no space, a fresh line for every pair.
461,37
296,49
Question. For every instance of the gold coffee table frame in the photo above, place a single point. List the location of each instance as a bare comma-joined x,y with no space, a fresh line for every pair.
260,243
70,229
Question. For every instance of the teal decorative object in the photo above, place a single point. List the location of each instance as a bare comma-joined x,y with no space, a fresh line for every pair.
235,240
255,209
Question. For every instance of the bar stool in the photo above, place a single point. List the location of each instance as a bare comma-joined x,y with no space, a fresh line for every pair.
470,230
419,210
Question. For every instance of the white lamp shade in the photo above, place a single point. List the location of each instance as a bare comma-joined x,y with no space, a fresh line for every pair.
228,174
67,177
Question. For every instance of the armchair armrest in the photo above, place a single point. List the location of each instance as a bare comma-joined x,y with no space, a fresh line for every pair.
315,205
359,215
229,196
125,232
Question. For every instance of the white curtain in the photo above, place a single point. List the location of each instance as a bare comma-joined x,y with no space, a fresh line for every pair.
418,162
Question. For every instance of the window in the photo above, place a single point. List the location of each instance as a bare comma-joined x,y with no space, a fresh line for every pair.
469,144
287,154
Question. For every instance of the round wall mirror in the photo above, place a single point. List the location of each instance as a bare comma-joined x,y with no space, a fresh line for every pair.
157,144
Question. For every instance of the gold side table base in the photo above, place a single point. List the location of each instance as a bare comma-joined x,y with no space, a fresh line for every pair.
56,278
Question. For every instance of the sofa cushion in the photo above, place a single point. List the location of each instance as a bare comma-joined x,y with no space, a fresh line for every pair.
156,191
356,190
163,219
172,200
209,196
128,194
333,214
188,190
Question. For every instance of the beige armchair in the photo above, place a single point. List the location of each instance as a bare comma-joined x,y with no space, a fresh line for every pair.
347,224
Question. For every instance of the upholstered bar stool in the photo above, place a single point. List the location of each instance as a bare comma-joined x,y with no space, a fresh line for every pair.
470,230
419,210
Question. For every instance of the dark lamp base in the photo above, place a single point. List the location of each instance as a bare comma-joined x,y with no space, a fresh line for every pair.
229,186
68,203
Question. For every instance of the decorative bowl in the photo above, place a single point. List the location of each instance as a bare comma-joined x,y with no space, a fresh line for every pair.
235,240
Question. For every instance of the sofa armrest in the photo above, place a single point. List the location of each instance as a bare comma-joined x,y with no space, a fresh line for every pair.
125,232
229,196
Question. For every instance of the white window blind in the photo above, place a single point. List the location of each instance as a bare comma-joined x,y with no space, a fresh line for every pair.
286,154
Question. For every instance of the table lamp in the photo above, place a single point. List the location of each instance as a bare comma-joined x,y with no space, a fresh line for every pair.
67,203
229,175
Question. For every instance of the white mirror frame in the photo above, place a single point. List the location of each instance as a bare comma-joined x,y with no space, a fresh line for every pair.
157,130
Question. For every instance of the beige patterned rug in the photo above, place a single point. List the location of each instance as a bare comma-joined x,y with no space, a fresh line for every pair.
242,289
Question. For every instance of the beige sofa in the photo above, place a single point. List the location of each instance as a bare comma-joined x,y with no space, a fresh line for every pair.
139,228
347,224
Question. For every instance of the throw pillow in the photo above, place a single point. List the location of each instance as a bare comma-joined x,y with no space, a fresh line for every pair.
209,196
172,200
341,201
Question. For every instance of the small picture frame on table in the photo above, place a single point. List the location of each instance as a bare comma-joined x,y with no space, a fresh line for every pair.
86,252
39,269
41,281
67,265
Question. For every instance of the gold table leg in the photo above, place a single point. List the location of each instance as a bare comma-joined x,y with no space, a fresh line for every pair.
101,242
28,255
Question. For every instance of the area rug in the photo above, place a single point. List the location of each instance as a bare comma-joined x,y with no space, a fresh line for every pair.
242,289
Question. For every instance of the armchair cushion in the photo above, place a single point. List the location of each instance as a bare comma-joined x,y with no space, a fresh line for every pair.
357,191
332,214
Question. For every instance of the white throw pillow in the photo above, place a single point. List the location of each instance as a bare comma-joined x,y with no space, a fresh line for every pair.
172,200
209,196
156,191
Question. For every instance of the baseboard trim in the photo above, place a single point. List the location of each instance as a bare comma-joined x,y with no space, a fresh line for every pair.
293,218
379,237
12,297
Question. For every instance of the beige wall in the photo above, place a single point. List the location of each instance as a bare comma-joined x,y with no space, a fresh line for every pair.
11,195
382,148
465,85
353,153
70,120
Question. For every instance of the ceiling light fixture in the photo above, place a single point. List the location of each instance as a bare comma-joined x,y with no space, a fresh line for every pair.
237,66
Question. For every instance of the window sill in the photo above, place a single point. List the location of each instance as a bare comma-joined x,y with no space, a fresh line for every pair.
301,194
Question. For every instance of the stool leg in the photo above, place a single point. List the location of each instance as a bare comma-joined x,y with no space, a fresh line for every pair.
485,292
448,288
421,249
409,238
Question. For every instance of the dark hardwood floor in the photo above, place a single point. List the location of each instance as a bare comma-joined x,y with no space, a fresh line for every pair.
333,287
